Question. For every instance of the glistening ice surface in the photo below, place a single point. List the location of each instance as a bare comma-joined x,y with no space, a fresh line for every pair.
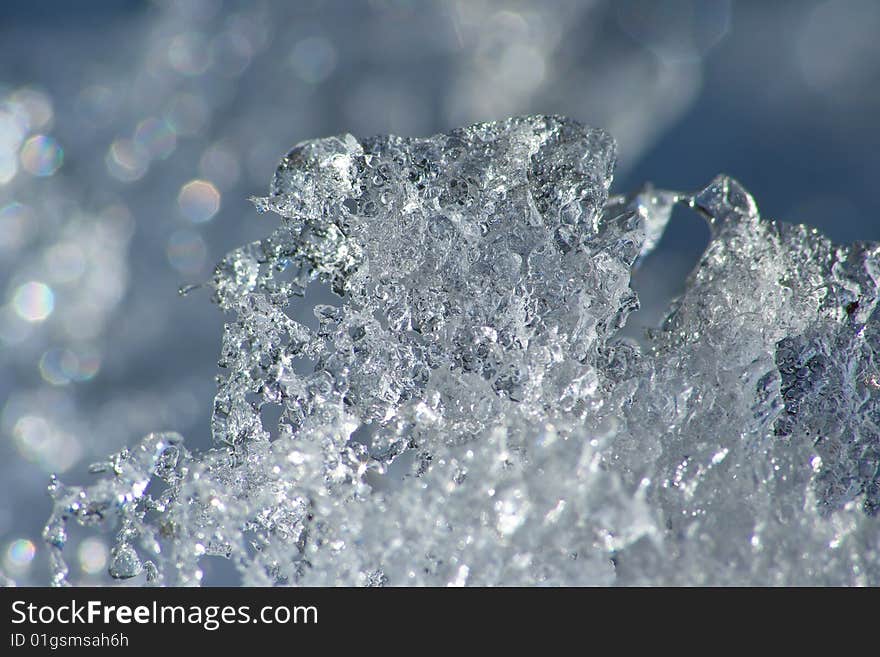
467,414
124,177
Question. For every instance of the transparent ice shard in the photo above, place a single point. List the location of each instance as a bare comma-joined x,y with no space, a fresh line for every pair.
466,414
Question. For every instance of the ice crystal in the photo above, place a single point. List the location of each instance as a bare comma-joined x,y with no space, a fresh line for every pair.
467,414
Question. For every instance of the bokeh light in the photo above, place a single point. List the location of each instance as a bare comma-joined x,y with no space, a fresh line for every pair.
155,137
126,160
17,223
13,128
33,301
41,156
36,104
188,54
219,163
44,443
313,59
62,366
186,251
199,201
65,261
187,114
8,166
19,554
92,555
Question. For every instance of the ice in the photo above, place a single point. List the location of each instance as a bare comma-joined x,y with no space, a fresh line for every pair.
124,562
123,178
466,413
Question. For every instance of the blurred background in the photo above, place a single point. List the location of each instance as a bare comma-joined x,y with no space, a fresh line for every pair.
132,133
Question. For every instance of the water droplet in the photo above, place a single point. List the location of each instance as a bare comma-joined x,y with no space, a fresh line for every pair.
124,562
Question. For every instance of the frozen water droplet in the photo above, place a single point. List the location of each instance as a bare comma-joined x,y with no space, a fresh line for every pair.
124,562
655,207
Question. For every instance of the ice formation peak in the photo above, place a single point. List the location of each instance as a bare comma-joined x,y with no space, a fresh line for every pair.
480,257
466,413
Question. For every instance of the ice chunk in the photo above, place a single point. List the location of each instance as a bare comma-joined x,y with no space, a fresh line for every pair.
469,263
466,413
124,562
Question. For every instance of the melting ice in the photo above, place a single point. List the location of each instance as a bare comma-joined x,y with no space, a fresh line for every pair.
466,413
